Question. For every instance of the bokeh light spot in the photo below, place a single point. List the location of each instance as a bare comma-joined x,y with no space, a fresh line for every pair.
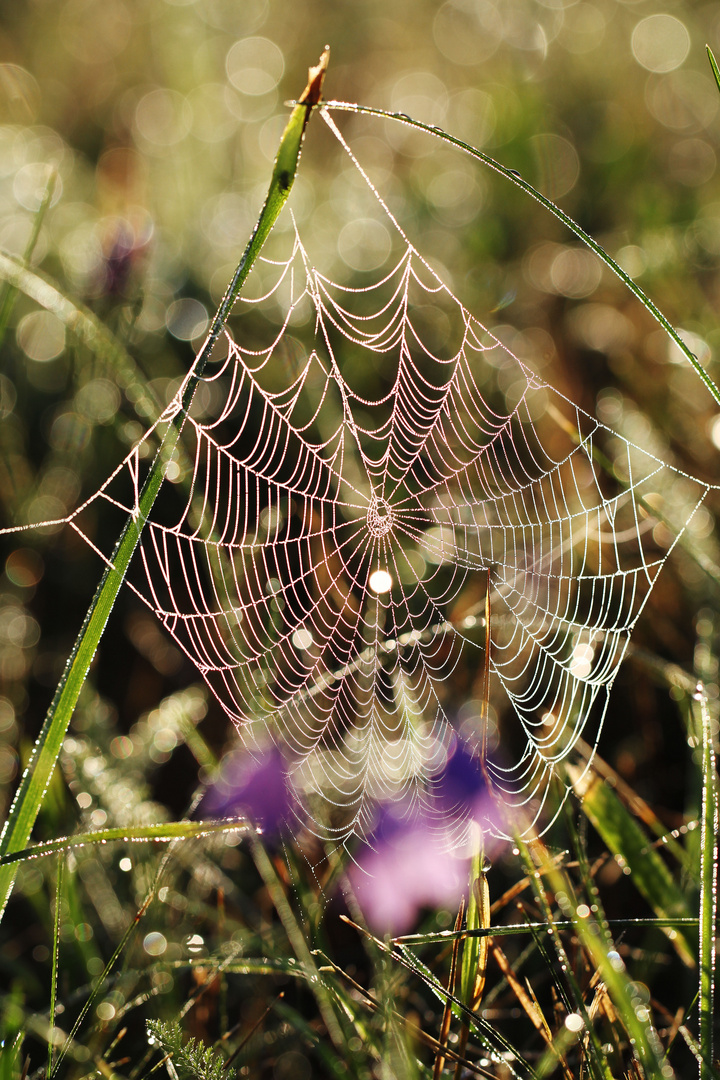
255,66
19,95
692,162
364,244
468,31
31,185
41,336
302,639
154,943
92,32
163,117
558,164
24,568
98,401
187,319
660,43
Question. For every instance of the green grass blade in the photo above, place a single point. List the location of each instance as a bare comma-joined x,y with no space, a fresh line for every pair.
296,937
33,785
708,886
633,1014
55,956
597,1063
9,292
442,937
624,838
163,833
528,188
713,65
86,328
489,1036
471,954
9,1051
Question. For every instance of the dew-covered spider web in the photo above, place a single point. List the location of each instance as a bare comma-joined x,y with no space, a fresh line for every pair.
370,473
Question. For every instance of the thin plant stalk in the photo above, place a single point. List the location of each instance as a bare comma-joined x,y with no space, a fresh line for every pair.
55,956
9,291
36,777
708,887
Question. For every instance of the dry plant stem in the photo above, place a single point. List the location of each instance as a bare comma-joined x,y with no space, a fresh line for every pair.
532,1009
447,1013
36,777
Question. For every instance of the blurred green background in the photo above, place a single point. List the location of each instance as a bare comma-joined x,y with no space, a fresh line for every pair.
159,121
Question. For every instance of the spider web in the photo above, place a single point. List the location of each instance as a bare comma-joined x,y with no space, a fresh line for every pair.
327,561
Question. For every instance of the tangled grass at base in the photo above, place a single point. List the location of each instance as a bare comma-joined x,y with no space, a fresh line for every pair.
340,566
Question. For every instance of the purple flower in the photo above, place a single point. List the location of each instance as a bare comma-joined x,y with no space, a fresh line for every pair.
421,858
254,786
406,866
461,787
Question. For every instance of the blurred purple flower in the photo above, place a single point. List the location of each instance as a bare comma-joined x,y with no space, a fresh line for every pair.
406,866
124,247
254,786
421,858
461,788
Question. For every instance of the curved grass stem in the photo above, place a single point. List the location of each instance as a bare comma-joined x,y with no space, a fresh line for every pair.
524,185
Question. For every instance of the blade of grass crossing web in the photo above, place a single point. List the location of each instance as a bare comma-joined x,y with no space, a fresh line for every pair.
516,179
708,886
165,833
36,777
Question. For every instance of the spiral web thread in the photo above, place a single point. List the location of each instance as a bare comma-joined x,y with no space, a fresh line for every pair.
326,564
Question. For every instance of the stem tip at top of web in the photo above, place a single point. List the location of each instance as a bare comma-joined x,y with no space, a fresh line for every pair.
313,91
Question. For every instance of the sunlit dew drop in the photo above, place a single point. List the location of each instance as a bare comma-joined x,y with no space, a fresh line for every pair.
574,1022
302,639
125,865
380,581
195,943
